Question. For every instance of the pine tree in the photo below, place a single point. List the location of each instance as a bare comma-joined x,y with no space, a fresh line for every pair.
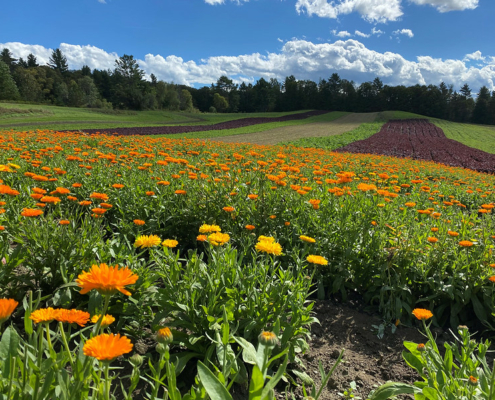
8,88
58,61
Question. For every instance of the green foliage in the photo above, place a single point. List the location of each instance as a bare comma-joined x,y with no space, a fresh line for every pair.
8,88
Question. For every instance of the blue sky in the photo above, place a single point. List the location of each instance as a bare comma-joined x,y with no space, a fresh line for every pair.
196,41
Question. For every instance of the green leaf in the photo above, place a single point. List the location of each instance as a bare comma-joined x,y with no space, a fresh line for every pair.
430,393
213,386
249,354
390,389
8,348
256,384
273,382
479,310
413,362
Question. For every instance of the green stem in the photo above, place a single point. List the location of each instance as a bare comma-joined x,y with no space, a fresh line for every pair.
40,359
107,381
96,329
64,339
12,367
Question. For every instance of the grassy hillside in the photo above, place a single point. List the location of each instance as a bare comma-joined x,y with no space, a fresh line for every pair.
28,117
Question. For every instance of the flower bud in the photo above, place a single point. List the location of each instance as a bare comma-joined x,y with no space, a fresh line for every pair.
268,339
421,347
473,381
136,360
161,348
164,336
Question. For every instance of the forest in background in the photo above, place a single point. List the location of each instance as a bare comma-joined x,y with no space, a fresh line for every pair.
126,87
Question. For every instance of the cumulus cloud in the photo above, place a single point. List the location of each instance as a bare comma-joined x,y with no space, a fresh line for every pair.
216,2
370,10
102,1
364,35
449,5
341,34
406,32
350,58
474,56
377,32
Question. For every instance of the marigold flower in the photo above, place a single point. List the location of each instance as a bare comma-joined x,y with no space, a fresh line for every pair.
209,228
270,248
117,186
138,222
85,203
147,241
35,190
71,198
106,280
44,315
252,196
2,228
170,243
228,209
150,193
201,238
421,347
218,238
7,307
473,381
268,339
180,192
434,229
105,205
268,239
307,239
466,243
422,314
61,190
452,233
492,278
164,336
250,227
64,222
432,239
30,212
317,260
106,321
76,185
99,196
78,317
106,347
410,204
99,211
286,223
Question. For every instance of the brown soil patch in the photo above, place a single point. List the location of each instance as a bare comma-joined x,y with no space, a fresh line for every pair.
287,133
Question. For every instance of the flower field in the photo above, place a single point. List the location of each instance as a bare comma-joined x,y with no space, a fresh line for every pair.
110,244
422,140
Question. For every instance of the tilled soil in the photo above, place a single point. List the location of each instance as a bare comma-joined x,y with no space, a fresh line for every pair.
287,133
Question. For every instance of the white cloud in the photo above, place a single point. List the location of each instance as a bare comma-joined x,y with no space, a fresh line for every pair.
306,60
474,56
377,32
406,32
364,35
341,34
449,5
102,1
216,2
280,40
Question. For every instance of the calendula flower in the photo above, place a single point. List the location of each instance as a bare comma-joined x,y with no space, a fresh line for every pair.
99,196
170,243
228,209
106,321
492,278
117,186
106,347
7,307
421,347
64,222
209,228
138,222
44,315
29,212
78,317
99,211
150,193
265,246
307,239
250,227
422,314
317,260
85,203
452,233
106,280
147,241
432,239
50,199
268,239
466,243
268,339
218,238
164,336
410,204
180,192
252,196
202,238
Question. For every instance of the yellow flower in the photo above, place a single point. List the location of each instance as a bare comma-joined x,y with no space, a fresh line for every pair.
209,228
147,241
307,239
44,315
269,247
164,336
170,243
106,321
218,238
317,260
268,239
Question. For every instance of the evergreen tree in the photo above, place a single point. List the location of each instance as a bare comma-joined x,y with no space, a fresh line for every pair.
58,61
481,111
8,58
32,62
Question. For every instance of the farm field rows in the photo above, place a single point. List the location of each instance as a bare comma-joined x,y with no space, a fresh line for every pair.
343,124
420,139
202,245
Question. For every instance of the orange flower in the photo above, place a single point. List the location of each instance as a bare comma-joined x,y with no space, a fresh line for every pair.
218,238
44,315
432,239
492,278
78,317
287,223
252,196
99,211
64,222
105,205
106,321
228,209
71,198
164,336
138,222
106,280
410,204
422,314
107,347
163,183
466,243
99,196
180,192
50,199
117,186
452,233
201,238
150,193
76,185
250,227
2,228
85,203
434,229
29,212
7,307
61,190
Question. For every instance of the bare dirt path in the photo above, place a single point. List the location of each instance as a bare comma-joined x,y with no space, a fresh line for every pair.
318,129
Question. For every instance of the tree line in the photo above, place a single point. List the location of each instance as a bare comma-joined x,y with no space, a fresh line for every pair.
125,87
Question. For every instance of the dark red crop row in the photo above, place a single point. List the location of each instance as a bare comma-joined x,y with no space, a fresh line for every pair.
238,123
421,140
